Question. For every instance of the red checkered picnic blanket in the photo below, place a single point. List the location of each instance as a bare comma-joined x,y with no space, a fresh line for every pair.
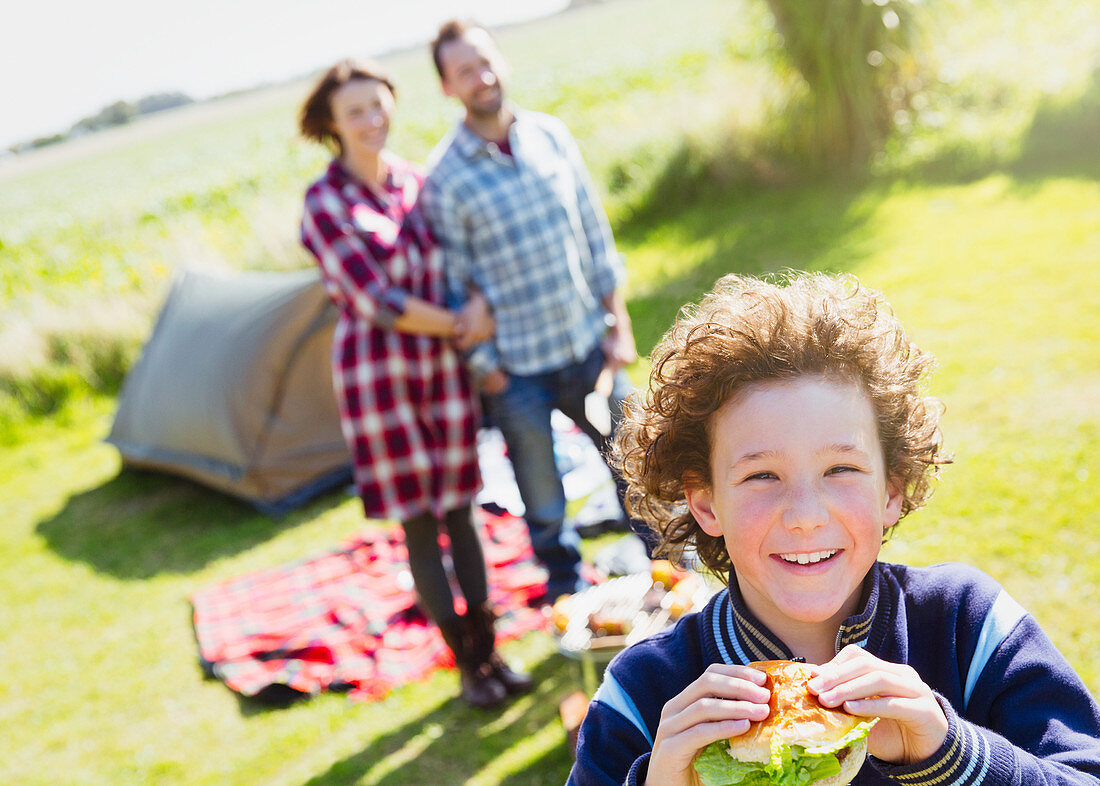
347,619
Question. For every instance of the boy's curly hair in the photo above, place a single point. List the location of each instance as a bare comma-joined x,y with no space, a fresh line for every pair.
748,330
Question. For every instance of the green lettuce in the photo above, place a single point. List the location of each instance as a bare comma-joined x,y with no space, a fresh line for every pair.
790,765
717,768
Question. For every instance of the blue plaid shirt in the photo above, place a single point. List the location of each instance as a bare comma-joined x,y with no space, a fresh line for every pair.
529,232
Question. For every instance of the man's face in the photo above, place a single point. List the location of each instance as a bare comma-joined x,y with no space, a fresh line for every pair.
474,72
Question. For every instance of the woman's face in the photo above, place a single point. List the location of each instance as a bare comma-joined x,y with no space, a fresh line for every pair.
361,111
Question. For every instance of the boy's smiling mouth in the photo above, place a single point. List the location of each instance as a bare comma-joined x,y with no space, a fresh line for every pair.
808,558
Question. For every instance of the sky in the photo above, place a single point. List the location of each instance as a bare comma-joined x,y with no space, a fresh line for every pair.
62,61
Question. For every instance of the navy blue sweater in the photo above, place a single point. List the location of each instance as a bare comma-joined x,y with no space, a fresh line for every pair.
1017,712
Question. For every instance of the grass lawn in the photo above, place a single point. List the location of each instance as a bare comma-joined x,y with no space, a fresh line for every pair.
995,272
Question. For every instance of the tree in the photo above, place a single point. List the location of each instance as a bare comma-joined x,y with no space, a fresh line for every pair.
158,102
856,58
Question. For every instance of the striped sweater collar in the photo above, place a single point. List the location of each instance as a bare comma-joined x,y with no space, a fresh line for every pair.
736,636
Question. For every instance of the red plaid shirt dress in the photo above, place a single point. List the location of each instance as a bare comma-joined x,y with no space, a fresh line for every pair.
407,408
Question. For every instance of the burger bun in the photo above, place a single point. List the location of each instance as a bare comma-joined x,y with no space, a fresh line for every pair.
798,718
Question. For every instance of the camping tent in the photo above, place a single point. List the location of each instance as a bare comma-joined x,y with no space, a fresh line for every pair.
234,389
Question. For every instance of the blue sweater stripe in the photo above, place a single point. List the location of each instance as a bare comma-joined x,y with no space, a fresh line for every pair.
999,622
723,608
985,757
729,633
612,694
972,756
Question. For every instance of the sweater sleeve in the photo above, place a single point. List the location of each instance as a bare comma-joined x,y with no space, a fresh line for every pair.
616,736
612,741
1028,719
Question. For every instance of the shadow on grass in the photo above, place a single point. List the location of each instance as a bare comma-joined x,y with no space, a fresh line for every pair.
1059,143
742,226
141,524
454,742
1064,138
758,214
274,698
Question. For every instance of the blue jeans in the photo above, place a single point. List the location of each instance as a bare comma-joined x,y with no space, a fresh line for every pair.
522,413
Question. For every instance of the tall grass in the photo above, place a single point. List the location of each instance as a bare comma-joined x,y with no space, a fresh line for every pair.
859,65
222,185
705,107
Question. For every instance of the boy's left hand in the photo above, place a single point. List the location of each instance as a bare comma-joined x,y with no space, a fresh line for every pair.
912,725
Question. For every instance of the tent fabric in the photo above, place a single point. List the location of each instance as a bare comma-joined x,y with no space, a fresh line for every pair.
234,389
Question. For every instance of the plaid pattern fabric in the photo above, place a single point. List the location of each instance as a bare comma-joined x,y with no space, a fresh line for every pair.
529,232
347,619
407,410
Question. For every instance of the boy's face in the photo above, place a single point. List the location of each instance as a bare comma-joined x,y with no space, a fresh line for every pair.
799,492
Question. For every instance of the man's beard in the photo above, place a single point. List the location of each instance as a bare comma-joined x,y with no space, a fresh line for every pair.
487,110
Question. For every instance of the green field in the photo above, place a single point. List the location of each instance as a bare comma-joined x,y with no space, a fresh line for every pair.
981,222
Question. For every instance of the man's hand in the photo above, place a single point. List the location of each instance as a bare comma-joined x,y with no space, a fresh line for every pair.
618,346
474,323
494,382
912,725
718,705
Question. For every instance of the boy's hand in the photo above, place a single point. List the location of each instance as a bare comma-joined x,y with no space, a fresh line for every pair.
912,725
718,705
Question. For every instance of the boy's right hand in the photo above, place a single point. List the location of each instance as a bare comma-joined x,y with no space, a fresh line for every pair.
718,705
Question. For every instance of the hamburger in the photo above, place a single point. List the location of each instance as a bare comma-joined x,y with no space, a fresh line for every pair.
801,741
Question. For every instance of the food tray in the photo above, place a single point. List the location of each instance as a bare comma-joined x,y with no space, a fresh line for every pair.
621,598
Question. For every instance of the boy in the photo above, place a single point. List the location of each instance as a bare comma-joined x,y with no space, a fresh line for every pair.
784,434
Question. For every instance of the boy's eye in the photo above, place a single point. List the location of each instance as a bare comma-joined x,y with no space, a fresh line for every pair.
841,469
761,476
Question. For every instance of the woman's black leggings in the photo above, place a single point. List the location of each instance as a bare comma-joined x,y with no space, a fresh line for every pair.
426,561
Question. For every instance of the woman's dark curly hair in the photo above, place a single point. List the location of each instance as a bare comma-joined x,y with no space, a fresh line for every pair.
749,330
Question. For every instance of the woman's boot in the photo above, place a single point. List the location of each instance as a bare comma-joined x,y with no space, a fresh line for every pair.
481,623
480,687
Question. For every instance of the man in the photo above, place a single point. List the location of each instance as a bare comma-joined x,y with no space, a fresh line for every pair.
519,220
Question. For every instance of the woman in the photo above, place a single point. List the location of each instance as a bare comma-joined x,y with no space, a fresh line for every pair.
408,411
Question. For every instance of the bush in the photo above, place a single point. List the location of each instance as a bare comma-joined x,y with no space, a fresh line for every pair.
855,57
53,357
